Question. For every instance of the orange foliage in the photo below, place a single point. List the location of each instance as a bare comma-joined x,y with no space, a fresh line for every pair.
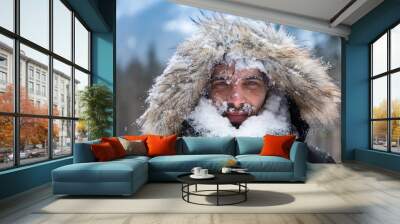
33,130
380,127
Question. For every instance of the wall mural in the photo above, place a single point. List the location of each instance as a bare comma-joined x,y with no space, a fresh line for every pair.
195,72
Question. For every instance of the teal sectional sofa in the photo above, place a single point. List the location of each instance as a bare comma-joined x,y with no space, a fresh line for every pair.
125,176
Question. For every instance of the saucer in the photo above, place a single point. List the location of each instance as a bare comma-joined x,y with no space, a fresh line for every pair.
208,176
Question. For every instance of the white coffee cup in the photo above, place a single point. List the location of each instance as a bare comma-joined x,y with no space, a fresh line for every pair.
203,172
226,170
196,171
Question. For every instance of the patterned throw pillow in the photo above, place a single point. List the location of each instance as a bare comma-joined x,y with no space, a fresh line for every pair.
134,147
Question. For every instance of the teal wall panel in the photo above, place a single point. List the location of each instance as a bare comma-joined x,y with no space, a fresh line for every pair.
102,59
24,178
377,158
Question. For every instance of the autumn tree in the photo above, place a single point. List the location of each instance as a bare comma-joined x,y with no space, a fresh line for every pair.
380,127
33,131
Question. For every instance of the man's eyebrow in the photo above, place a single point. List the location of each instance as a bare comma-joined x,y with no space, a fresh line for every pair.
219,78
259,77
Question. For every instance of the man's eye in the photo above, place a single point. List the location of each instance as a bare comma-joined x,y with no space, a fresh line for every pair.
220,83
252,83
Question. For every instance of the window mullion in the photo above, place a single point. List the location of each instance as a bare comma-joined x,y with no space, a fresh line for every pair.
16,84
73,82
389,113
50,87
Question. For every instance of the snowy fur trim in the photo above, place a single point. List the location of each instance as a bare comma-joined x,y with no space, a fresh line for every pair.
291,68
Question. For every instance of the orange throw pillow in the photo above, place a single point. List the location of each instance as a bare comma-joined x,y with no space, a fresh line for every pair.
277,145
103,152
161,145
116,145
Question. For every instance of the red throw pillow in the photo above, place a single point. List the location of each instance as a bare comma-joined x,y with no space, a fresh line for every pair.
103,151
116,145
161,145
277,145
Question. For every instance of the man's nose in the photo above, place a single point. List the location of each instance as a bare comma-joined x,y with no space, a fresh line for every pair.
236,97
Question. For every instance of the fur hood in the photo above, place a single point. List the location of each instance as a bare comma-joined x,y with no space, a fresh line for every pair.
291,68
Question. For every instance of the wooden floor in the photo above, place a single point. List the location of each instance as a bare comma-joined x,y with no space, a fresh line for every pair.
379,189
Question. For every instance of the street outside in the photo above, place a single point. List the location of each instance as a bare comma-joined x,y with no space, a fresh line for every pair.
33,155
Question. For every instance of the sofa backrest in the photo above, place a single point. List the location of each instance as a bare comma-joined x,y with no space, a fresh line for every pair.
83,152
249,145
206,145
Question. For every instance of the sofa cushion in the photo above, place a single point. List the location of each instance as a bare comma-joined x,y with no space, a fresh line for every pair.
207,145
257,163
185,163
249,145
111,171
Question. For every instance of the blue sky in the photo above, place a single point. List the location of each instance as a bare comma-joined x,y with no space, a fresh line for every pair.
142,23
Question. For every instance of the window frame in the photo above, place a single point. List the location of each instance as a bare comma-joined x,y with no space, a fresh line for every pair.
388,74
16,114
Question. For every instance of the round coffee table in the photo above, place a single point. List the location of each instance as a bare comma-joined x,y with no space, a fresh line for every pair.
238,179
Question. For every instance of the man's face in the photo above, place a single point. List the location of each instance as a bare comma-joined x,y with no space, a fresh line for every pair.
241,92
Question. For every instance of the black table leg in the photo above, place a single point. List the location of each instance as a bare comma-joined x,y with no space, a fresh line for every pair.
245,193
217,194
188,190
196,187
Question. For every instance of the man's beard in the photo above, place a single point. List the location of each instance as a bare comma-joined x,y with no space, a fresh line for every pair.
273,119
244,111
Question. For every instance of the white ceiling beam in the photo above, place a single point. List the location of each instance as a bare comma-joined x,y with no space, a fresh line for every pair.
348,12
269,15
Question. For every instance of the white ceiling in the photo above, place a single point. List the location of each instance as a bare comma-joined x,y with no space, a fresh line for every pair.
315,15
319,9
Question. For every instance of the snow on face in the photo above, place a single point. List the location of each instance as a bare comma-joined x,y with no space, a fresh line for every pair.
274,119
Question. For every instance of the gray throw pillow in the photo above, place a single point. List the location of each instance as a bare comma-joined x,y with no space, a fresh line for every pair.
136,147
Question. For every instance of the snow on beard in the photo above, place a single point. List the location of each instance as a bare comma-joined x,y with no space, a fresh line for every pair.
224,107
274,119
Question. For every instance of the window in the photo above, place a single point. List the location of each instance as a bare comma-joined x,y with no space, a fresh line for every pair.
44,91
62,74
3,72
3,78
37,89
34,21
41,124
37,75
3,61
385,94
30,87
81,45
30,72
62,29
7,14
